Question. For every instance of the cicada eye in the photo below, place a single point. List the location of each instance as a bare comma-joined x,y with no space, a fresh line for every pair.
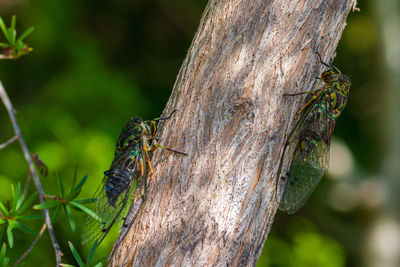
326,75
153,129
107,172
137,120
342,79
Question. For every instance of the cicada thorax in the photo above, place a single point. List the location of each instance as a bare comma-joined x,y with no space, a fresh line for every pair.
131,131
336,87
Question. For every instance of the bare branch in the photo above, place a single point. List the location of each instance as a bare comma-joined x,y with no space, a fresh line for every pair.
354,7
6,57
8,142
32,245
7,103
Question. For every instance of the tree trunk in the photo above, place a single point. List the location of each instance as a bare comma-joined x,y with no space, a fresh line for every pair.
216,205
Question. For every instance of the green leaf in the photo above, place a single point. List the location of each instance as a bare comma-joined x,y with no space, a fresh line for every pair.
27,203
85,210
77,190
86,200
73,195
13,199
56,213
10,237
5,31
76,255
24,228
4,45
3,259
13,19
13,36
91,253
68,212
16,200
28,217
12,30
20,198
3,221
3,253
60,185
99,264
81,183
3,209
25,34
47,205
66,265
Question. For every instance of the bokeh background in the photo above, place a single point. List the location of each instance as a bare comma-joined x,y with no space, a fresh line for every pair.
97,62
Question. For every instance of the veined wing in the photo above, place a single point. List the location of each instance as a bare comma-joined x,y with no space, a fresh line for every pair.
117,189
304,174
311,156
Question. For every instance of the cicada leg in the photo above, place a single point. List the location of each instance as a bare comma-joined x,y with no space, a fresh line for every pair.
147,158
166,118
312,92
332,121
155,146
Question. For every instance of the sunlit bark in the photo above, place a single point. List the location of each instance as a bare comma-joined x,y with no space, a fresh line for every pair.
216,206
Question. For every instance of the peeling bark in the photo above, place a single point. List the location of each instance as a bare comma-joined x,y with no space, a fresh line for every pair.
216,206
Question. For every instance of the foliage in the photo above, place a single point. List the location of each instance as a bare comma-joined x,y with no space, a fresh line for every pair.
68,202
12,215
305,247
3,259
14,47
89,262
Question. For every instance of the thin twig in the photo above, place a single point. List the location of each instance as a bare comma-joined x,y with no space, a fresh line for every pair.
32,245
6,57
8,142
355,8
52,197
36,180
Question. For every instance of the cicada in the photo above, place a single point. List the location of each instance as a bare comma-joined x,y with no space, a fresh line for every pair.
311,137
120,183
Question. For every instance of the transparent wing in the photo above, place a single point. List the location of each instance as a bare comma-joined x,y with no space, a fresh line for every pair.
127,168
304,176
311,156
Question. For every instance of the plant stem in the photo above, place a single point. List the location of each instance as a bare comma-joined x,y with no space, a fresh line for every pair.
32,245
7,103
12,139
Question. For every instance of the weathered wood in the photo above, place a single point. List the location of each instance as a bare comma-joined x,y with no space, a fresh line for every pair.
216,206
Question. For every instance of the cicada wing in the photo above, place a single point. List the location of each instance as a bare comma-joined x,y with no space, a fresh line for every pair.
311,157
98,228
130,219
304,175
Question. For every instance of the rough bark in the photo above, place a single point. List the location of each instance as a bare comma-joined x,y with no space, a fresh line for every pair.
216,206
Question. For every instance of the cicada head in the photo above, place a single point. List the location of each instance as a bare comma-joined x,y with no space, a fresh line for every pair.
333,74
345,81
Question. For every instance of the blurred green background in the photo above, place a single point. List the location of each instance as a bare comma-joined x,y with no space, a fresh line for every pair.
95,63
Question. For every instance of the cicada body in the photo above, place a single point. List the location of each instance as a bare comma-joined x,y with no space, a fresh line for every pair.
120,183
311,137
